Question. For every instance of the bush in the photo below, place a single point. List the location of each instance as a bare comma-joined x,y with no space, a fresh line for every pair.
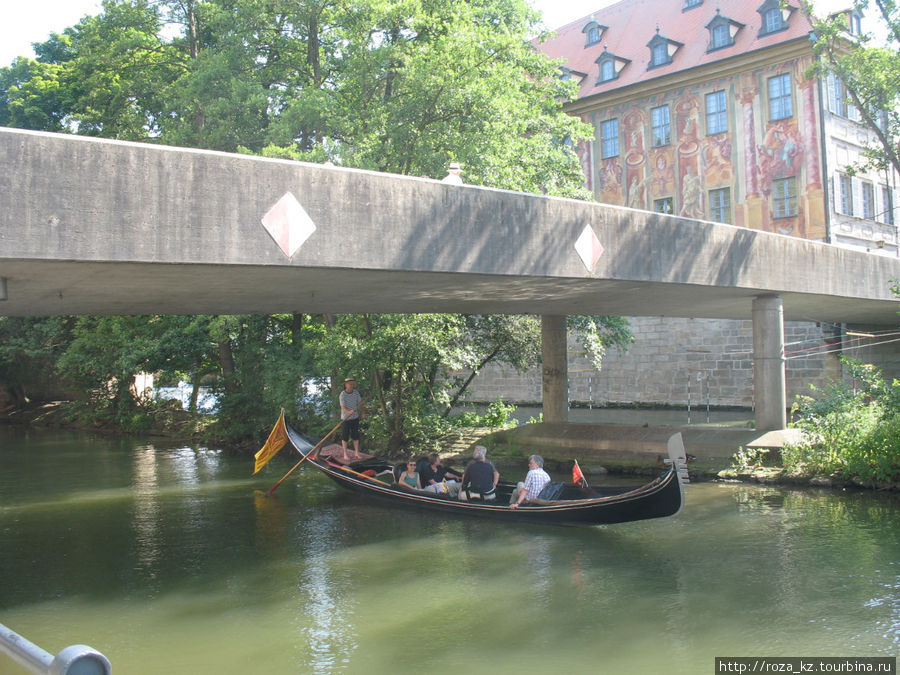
852,433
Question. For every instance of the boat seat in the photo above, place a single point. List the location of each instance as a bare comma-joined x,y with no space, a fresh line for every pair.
472,496
551,491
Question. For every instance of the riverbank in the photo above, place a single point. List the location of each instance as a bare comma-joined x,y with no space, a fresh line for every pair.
600,448
169,421
640,450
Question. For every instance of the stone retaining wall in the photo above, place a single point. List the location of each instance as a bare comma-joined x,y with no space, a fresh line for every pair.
674,362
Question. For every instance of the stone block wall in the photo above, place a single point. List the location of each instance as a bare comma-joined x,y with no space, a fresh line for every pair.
674,362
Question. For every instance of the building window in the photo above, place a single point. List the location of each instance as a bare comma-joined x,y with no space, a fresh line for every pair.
887,206
609,139
659,54
716,113
784,194
846,189
780,101
855,22
661,50
593,32
773,16
607,70
772,21
722,32
690,4
721,37
837,96
664,205
610,66
868,200
661,127
720,205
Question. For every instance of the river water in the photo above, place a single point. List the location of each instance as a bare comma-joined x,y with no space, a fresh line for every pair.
170,559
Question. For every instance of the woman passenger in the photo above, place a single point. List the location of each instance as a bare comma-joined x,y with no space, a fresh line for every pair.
410,477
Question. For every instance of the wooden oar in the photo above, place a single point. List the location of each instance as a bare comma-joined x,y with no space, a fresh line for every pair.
317,446
356,473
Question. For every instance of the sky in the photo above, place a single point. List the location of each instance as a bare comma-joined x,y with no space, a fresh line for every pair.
25,21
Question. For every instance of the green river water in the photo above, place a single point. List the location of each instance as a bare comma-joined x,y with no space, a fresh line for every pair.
170,559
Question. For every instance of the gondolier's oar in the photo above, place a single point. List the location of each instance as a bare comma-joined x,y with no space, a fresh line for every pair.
317,446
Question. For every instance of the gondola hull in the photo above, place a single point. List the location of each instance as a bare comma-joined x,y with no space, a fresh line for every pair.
659,498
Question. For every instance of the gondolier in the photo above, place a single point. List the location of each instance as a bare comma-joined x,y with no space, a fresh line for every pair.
351,412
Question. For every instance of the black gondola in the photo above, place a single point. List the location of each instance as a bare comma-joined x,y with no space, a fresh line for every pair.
575,505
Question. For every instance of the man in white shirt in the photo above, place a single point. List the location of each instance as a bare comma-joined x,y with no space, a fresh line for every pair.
535,481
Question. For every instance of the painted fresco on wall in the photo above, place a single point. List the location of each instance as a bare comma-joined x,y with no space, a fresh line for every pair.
747,158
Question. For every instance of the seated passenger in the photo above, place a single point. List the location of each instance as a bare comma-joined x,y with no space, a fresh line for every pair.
535,480
436,478
410,477
479,477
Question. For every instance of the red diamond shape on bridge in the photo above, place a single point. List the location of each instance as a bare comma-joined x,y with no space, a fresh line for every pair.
289,224
588,248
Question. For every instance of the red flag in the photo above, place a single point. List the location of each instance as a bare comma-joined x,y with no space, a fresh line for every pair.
578,477
274,443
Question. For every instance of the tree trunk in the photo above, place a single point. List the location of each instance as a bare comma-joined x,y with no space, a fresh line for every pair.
226,363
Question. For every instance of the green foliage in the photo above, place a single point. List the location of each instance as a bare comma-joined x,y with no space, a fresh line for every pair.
598,333
398,86
496,416
853,433
749,458
29,349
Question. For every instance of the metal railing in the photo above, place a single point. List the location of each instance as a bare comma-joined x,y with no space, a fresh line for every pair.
73,660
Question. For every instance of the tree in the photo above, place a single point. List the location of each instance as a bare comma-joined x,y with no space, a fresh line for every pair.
870,73
29,349
403,86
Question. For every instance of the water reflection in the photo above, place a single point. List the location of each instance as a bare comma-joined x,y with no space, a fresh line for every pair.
329,631
146,510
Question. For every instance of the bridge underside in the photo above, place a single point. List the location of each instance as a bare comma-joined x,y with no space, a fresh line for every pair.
56,287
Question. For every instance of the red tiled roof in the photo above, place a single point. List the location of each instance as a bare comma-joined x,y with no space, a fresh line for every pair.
632,24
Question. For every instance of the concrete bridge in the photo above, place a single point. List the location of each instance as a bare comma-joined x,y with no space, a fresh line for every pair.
91,226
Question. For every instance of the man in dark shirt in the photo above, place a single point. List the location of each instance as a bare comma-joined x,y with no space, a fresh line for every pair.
433,472
480,476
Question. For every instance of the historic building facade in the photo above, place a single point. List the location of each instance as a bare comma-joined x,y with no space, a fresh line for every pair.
702,109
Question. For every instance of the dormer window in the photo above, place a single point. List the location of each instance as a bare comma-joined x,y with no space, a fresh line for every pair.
722,32
593,32
690,4
853,20
774,16
662,49
610,66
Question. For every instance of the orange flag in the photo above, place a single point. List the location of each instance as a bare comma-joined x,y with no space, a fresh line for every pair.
578,477
274,443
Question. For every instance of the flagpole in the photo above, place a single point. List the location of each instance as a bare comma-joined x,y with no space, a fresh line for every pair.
316,447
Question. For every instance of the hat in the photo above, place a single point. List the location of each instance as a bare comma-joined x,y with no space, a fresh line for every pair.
454,166
349,379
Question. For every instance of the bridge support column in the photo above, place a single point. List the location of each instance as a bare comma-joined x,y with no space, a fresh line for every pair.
554,375
768,363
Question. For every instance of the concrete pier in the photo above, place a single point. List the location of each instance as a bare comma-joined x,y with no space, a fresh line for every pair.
554,380
768,363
